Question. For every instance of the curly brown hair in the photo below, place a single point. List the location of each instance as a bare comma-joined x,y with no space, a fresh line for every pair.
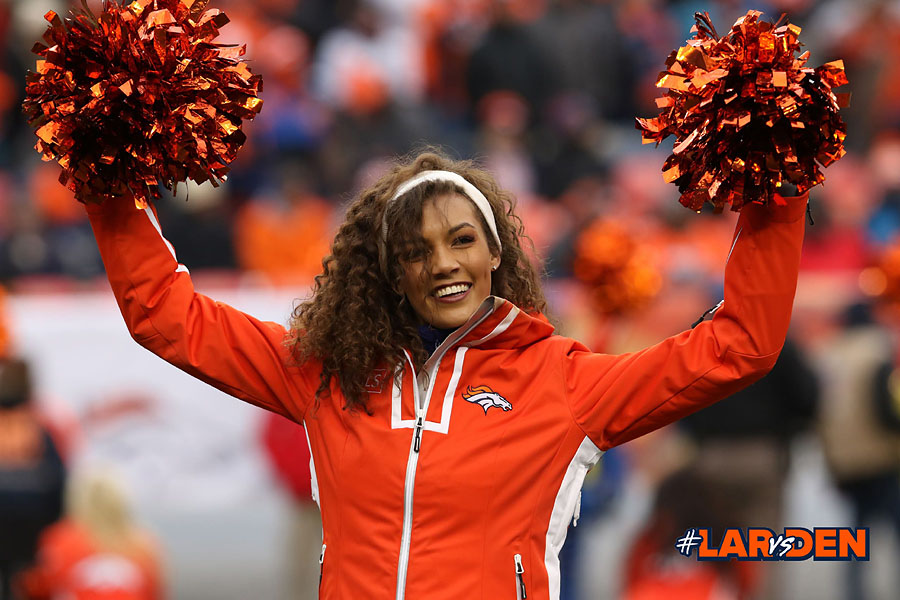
357,320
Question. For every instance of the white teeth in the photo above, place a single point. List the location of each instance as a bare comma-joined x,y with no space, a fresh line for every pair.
453,289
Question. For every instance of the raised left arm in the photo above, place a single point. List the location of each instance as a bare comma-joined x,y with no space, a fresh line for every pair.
615,399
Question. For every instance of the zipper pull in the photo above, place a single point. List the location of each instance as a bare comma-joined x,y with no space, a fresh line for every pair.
322,554
520,576
420,423
321,563
709,311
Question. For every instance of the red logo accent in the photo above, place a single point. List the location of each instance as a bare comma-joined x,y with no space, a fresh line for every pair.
375,382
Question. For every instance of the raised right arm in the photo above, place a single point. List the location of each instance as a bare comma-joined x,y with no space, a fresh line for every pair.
212,341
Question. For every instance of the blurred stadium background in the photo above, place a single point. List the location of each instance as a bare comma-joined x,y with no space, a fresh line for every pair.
544,93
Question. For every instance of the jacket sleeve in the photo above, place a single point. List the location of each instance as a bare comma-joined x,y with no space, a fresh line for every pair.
615,399
212,341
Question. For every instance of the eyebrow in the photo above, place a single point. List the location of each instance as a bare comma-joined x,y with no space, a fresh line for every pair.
456,228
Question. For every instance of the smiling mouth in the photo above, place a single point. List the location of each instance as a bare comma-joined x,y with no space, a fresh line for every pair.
452,292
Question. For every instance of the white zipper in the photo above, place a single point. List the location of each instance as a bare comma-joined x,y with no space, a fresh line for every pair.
416,444
521,594
411,464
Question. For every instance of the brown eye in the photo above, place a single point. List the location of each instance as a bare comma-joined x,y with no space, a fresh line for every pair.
464,239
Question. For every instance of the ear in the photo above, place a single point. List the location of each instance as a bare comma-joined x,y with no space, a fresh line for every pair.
495,263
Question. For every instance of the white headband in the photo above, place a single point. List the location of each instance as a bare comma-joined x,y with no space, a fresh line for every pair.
472,192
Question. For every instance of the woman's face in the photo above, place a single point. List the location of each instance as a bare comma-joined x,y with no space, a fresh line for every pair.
447,283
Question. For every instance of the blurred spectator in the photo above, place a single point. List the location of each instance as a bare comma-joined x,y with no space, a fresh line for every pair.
97,552
862,447
509,58
655,571
288,450
648,32
198,219
842,208
447,28
588,52
316,17
743,448
866,35
573,137
502,128
368,62
293,122
283,235
31,474
359,140
776,408
12,88
884,221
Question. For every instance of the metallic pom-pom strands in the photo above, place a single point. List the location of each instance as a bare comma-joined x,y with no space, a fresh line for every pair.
747,114
139,96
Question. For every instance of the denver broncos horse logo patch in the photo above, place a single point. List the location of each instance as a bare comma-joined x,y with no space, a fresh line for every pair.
485,397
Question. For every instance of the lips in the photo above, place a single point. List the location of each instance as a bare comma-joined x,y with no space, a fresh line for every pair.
452,291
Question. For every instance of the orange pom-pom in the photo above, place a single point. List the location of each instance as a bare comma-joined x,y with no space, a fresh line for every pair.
747,114
139,96
619,272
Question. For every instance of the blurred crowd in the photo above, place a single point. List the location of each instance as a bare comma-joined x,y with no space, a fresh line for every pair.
543,93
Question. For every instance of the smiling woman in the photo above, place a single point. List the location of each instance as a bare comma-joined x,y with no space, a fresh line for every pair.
450,428
427,224
447,280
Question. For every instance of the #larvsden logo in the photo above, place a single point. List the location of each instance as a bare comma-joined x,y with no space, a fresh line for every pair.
796,543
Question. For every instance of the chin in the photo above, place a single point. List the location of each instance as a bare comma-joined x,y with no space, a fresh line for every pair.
447,323
451,319
443,316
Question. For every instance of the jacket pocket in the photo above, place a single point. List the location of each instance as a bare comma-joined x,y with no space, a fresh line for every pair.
521,593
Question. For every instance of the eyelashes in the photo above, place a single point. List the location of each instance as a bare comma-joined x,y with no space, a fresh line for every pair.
420,252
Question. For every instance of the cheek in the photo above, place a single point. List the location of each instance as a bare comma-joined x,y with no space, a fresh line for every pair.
485,273
411,280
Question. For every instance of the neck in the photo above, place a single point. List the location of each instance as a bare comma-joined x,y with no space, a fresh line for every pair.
432,336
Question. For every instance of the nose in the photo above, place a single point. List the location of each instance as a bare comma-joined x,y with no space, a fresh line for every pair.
443,262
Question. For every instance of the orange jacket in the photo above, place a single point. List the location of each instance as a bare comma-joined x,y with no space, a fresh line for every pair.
463,480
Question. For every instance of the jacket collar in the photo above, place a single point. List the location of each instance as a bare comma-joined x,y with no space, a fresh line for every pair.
497,323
